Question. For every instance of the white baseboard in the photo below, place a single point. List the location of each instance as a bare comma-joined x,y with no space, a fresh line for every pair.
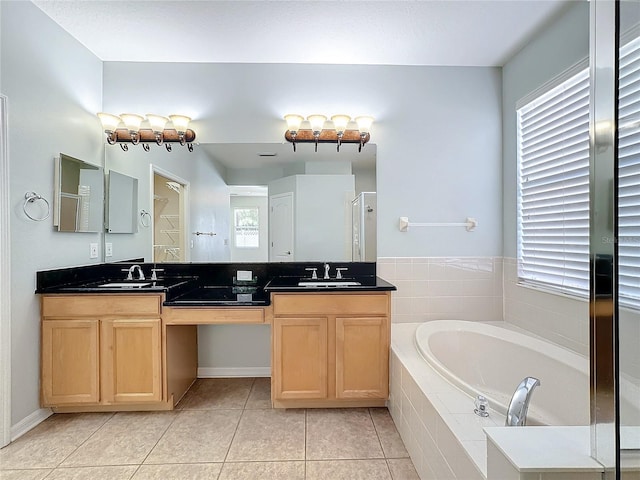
29,422
225,372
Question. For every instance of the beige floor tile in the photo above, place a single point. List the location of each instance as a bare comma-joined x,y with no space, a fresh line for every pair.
179,471
197,436
93,473
348,470
212,393
263,471
392,444
341,433
24,474
269,435
260,396
125,439
402,469
51,441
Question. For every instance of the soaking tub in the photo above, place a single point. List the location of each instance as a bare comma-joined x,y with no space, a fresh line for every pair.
485,359
438,367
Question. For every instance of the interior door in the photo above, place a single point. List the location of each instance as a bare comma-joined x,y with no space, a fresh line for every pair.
281,225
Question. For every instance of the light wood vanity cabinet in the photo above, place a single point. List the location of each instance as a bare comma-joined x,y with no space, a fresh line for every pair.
330,349
101,350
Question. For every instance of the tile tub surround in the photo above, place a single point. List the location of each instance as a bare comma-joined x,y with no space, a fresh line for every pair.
443,436
561,319
223,429
431,288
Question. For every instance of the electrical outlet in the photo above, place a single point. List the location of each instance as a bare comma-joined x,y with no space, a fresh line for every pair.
244,275
108,249
93,250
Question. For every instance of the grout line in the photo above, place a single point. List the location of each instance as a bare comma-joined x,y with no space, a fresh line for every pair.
306,410
109,418
233,437
375,429
246,400
175,418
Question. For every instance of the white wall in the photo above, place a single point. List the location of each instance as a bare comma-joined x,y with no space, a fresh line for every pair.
437,132
54,89
322,205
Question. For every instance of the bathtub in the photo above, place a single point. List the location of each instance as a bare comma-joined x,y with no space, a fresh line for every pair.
486,359
438,367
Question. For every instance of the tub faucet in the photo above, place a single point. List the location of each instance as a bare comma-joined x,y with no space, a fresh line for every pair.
132,269
517,411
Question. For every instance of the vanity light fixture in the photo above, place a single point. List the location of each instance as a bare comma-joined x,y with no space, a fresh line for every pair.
293,125
128,128
317,131
340,123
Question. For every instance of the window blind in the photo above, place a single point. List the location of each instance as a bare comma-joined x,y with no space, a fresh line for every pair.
553,196
629,176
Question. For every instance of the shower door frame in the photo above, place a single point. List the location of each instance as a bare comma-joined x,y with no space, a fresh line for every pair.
603,232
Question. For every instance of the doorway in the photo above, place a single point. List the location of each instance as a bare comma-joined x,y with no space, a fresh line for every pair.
281,246
169,217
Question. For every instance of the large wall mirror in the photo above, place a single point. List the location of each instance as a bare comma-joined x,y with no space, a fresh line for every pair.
79,195
250,202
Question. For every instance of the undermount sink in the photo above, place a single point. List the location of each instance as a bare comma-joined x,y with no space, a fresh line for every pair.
125,285
331,283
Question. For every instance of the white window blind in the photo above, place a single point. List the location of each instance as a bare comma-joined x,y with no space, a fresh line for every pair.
629,176
553,196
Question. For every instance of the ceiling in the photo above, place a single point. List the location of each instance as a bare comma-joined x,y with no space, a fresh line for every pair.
418,32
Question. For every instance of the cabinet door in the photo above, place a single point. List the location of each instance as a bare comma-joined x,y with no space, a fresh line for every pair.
131,361
70,362
300,358
362,357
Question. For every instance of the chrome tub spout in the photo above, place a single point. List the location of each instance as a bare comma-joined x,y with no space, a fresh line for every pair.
517,411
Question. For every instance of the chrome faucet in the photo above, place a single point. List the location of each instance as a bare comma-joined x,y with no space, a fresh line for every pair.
326,272
132,269
517,411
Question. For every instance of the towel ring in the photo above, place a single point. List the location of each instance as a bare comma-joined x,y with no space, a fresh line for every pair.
145,215
31,197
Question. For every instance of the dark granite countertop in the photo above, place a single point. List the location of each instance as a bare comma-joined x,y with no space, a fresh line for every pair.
208,284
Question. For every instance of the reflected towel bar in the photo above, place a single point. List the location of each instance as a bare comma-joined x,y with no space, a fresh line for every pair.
470,224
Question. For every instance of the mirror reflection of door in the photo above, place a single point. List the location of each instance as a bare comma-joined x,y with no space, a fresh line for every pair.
168,219
249,223
281,228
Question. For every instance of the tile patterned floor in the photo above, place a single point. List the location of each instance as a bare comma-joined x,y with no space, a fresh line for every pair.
223,429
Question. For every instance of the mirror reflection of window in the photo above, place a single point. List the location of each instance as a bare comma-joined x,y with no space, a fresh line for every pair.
246,224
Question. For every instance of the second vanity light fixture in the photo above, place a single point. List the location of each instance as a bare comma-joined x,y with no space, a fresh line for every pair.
127,128
318,131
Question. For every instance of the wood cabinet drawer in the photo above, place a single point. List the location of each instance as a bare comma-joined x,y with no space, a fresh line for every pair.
100,305
212,315
331,304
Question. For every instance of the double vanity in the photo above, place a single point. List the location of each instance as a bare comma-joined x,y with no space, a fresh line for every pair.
119,337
